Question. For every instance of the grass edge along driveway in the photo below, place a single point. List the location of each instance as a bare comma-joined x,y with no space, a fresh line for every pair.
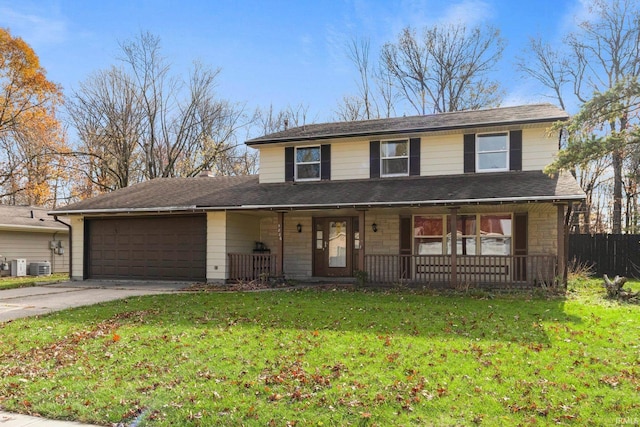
313,358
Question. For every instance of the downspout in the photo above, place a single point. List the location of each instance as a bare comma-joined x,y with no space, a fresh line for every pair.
55,217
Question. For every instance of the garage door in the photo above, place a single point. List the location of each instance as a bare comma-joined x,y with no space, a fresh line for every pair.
158,248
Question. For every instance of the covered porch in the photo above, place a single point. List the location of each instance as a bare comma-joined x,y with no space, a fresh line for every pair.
528,271
389,246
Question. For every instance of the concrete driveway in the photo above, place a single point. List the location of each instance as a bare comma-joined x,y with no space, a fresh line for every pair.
32,301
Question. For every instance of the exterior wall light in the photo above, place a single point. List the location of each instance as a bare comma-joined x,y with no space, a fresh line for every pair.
299,227
374,227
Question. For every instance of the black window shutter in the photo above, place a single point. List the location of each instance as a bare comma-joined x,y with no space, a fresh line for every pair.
325,161
520,234
520,231
515,150
414,156
374,159
469,153
289,163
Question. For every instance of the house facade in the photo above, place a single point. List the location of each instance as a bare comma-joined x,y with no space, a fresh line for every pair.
453,199
28,233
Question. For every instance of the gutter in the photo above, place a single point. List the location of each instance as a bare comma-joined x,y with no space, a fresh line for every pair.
159,210
55,217
414,203
44,229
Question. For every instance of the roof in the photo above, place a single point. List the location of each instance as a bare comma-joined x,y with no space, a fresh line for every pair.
519,115
244,192
28,218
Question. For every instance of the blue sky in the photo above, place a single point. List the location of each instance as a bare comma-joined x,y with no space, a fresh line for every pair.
270,52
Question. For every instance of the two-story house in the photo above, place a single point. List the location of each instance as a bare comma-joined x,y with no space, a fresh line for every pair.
446,199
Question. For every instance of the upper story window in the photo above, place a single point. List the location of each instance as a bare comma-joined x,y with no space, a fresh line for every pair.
492,152
307,163
394,158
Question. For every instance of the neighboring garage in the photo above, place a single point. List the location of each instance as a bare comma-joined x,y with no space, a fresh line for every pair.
146,248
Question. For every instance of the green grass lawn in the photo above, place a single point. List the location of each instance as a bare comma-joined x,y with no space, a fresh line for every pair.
26,281
329,358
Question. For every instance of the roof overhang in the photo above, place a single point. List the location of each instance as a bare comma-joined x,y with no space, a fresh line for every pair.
33,229
339,205
413,130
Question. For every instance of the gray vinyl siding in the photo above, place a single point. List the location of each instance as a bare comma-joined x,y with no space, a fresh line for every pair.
34,246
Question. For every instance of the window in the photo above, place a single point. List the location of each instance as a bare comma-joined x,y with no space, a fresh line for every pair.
495,234
307,163
492,152
465,235
475,234
427,233
394,158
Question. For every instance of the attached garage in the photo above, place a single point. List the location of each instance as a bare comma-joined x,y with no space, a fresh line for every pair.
146,248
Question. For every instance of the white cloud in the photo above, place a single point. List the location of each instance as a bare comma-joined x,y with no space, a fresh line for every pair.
468,12
35,29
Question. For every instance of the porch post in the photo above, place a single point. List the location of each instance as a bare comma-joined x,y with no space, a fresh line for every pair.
453,225
280,243
562,244
361,233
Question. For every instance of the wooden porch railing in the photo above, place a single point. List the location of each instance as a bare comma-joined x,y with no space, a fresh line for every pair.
516,271
250,267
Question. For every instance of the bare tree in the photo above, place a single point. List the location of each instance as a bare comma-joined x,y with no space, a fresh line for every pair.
191,130
359,55
446,68
546,65
605,51
351,108
589,177
375,97
139,122
109,120
267,121
601,54
631,188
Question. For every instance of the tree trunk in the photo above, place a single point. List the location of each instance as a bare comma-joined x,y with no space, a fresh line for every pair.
615,289
617,191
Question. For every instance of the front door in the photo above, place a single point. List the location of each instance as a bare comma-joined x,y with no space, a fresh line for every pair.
333,245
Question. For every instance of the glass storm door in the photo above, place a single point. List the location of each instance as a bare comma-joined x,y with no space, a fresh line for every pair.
332,247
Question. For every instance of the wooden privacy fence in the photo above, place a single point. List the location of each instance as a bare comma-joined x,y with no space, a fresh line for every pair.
609,254
491,271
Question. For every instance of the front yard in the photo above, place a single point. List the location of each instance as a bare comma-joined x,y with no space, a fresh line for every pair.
330,357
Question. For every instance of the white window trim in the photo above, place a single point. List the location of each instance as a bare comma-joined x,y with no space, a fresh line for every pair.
506,151
296,163
390,175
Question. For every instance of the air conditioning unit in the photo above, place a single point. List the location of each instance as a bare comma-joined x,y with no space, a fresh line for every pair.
41,268
19,267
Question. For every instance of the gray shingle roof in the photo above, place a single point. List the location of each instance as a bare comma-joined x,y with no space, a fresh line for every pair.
28,217
244,192
523,114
